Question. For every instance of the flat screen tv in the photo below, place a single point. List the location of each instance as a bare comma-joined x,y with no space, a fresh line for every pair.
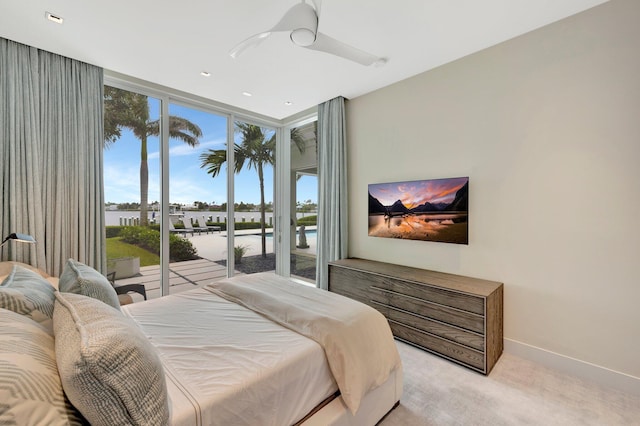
427,210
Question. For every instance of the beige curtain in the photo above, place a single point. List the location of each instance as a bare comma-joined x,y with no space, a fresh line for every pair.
51,138
333,212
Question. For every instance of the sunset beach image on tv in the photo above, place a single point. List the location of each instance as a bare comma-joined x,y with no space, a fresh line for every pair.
428,210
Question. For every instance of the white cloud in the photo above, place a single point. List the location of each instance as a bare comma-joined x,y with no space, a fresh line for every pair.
184,189
183,149
121,184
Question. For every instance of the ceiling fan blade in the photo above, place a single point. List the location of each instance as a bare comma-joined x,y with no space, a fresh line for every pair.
317,5
299,16
254,40
327,44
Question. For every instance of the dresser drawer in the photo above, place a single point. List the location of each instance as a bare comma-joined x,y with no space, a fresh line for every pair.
437,295
349,283
442,296
429,309
452,350
436,328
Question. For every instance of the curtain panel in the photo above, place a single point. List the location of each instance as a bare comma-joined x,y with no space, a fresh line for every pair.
51,141
333,212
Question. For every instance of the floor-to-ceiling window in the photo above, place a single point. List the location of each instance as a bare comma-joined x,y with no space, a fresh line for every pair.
189,192
132,183
197,197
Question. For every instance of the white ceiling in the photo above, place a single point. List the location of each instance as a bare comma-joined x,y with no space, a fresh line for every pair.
169,42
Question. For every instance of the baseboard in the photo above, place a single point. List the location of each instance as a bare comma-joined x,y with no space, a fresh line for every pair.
584,370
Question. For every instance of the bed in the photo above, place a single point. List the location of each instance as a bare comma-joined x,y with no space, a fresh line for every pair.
253,349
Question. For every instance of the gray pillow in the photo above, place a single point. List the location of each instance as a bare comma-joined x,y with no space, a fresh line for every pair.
30,389
79,278
28,293
109,370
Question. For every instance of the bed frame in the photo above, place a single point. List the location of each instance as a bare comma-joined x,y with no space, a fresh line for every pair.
373,408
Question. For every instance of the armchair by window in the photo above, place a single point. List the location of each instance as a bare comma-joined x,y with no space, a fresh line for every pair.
127,288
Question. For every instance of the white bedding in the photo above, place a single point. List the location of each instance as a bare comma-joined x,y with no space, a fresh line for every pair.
225,364
356,338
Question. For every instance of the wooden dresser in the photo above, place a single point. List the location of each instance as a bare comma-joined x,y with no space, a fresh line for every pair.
456,317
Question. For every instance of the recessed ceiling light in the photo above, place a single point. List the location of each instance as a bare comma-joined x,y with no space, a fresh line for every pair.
288,103
205,74
247,94
54,18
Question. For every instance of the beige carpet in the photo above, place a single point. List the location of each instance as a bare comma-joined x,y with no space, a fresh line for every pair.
517,392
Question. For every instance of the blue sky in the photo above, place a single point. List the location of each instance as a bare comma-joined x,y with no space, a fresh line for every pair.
188,182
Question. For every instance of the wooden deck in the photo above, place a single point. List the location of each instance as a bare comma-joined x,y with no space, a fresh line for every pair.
183,276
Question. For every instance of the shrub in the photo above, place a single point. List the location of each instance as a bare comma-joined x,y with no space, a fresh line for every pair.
222,225
113,231
308,220
239,225
249,225
238,252
181,249
149,239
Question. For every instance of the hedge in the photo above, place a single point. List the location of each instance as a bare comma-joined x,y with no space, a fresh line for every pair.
308,220
239,225
113,231
149,239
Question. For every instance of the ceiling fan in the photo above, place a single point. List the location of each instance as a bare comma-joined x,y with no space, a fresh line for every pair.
302,23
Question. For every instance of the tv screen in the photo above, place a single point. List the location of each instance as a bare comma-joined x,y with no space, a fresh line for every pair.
428,210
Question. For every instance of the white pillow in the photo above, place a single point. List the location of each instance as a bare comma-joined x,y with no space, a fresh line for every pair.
30,389
109,370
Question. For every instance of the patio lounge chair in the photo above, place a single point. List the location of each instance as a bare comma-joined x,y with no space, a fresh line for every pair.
212,227
179,231
202,227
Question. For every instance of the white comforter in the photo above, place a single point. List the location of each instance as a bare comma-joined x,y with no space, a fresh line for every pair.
227,365
356,338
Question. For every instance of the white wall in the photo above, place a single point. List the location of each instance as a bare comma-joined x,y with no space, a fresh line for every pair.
547,127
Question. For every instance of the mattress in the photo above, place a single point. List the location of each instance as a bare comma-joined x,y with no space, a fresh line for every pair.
226,364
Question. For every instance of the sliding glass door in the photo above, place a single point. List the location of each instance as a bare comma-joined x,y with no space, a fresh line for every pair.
304,200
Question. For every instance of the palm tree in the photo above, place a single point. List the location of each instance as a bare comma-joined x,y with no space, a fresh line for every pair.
124,109
257,151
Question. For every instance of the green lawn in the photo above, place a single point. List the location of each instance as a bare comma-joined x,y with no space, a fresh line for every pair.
116,248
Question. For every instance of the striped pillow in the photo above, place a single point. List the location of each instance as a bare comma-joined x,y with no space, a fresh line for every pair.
109,370
30,388
7,266
28,293
79,278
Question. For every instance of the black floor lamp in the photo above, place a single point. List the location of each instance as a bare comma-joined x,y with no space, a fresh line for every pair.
21,238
